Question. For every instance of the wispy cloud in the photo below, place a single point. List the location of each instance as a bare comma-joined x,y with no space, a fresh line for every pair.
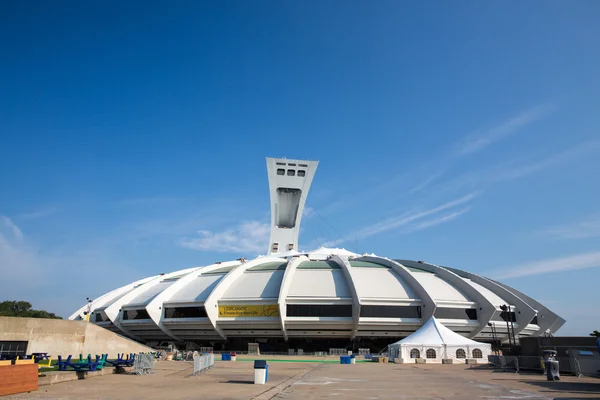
574,153
248,237
587,228
513,170
407,220
44,212
21,259
426,182
441,220
8,226
481,139
569,263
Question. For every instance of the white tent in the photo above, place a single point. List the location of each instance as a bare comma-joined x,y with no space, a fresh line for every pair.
434,342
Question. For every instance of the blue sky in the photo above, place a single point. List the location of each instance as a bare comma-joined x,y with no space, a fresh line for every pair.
133,137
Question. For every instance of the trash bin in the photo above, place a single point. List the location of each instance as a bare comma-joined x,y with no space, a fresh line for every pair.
552,372
352,359
233,356
261,372
552,365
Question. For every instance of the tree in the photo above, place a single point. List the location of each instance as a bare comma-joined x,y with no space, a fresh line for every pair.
595,334
23,309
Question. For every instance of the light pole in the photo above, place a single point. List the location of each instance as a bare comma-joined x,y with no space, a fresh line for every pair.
88,309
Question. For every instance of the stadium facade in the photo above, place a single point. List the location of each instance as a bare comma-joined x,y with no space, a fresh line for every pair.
321,298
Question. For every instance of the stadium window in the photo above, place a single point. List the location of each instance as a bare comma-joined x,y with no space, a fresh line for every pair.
303,165
280,163
101,317
477,353
11,348
280,171
508,316
460,353
430,353
135,314
291,172
301,172
291,164
455,313
534,321
415,353
319,310
185,312
390,311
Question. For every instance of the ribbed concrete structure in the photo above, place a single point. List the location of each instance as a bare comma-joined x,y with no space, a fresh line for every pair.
325,293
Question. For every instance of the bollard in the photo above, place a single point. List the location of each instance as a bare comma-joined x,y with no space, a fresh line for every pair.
261,372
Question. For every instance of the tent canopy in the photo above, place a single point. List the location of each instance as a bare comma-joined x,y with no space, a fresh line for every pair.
436,342
436,334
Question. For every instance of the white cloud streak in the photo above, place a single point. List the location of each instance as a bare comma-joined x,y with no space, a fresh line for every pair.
512,170
407,219
482,139
588,228
441,220
570,263
13,230
248,237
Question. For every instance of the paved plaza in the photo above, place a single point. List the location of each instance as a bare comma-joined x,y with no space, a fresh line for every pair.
316,380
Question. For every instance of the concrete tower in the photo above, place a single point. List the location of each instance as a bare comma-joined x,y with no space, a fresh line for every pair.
289,182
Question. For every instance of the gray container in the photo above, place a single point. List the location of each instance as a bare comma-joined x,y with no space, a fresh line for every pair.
552,373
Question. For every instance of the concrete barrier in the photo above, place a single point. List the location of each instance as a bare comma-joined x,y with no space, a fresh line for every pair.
447,361
420,361
63,337
52,377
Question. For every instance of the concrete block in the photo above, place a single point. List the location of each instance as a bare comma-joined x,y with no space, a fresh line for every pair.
398,360
447,361
471,361
420,361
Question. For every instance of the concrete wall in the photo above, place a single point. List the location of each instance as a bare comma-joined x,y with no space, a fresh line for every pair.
63,337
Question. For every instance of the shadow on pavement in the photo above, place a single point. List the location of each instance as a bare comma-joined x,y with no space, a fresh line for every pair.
573,387
239,382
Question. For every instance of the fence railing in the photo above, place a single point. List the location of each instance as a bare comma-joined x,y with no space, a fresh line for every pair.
528,363
143,363
203,363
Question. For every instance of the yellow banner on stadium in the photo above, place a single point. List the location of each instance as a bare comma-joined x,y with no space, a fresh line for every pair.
250,310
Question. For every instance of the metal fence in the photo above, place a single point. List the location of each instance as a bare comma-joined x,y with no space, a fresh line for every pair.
203,363
529,363
143,363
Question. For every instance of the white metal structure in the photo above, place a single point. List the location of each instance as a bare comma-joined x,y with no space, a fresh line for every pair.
324,293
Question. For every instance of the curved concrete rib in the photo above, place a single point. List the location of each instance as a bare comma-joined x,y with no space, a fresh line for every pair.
211,304
105,298
428,307
546,318
154,308
525,312
115,311
284,289
485,310
342,261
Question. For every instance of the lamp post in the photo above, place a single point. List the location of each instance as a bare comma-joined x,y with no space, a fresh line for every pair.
506,310
88,309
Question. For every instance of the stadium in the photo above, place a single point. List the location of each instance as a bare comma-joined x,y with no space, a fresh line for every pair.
320,299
